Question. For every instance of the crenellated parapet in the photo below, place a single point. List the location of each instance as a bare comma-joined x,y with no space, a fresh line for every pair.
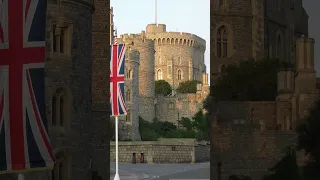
178,39
159,34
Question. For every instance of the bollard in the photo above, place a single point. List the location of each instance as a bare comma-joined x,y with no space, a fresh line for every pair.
134,161
142,158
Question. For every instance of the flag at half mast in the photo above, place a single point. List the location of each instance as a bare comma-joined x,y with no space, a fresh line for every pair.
24,141
117,99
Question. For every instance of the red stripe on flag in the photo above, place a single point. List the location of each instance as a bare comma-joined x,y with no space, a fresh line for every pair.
38,118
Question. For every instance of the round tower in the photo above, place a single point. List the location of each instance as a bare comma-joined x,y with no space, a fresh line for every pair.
129,126
146,72
179,56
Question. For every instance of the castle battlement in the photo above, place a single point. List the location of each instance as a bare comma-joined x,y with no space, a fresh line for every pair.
136,39
178,38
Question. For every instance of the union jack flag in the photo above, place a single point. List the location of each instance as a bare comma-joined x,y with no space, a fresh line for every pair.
118,106
24,142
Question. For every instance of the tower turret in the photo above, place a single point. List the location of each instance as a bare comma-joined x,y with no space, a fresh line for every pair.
146,72
129,126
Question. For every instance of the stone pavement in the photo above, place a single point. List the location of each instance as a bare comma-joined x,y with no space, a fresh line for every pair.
153,171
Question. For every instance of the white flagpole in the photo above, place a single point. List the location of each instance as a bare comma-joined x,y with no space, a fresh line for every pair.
20,176
116,177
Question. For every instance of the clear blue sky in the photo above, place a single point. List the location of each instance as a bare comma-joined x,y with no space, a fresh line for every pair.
192,16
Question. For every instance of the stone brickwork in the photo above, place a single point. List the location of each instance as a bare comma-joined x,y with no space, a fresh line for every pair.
100,88
248,150
162,151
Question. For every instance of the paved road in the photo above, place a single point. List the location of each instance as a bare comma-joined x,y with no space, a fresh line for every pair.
202,173
160,171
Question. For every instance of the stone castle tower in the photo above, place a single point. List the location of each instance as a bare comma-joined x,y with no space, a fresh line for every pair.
245,29
146,85
178,56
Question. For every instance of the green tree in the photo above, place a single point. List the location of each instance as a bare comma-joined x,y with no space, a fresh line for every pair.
286,168
249,80
188,86
162,87
309,134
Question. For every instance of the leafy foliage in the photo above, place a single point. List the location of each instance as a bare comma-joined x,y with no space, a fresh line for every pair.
188,86
249,80
309,134
286,168
162,87
197,128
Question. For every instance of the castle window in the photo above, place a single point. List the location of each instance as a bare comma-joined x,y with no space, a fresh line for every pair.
159,74
171,105
60,107
129,74
61,40
222,42
179,75
179,60
60,170
128,95
128,116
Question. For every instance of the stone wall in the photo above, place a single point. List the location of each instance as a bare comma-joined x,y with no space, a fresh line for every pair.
245,149
182,105
162,151
256,112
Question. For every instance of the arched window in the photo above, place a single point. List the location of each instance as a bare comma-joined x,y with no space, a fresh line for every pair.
129,74
60,170
159,74
60,108
128,95
179,75
128,116
222,42
62,113
279,47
